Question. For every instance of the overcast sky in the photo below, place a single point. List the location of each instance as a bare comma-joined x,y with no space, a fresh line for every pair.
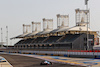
14,13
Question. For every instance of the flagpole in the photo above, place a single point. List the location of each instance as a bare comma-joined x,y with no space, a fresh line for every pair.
1,38
7,36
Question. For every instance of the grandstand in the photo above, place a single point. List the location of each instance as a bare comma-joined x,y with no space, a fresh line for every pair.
64,37
71,41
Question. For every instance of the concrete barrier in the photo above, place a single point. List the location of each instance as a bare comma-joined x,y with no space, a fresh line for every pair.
61,53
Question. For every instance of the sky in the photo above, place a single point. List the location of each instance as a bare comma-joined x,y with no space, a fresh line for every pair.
15,13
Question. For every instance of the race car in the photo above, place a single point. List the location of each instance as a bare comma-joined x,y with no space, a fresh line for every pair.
45,62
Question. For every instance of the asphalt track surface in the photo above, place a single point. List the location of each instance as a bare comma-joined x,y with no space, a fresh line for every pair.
23,61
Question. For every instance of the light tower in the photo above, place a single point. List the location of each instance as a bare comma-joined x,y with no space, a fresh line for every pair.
62,21
86,3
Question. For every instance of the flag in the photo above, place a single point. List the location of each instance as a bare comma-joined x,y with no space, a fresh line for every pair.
86,1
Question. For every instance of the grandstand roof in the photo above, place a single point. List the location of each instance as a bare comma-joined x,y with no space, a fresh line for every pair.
20,36
55,30
75,28
44,32
31,34
78,28
60,29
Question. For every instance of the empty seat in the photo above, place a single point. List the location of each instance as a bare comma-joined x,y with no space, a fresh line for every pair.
52,39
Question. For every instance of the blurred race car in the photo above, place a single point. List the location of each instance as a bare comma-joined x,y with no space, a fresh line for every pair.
46,63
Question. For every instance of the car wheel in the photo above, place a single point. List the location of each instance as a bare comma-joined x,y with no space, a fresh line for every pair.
40,63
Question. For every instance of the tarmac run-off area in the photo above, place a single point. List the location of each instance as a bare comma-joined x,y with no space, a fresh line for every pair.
57,60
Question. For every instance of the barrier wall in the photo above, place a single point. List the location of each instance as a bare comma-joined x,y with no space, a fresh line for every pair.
81,54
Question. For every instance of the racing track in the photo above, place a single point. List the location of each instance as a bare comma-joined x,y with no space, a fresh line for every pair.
25,61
